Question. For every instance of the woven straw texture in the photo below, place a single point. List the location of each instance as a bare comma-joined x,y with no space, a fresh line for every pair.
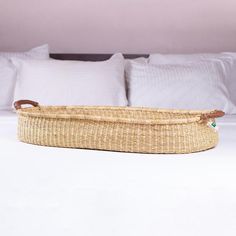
117,129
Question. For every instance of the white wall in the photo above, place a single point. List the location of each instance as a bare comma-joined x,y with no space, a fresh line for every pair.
134,26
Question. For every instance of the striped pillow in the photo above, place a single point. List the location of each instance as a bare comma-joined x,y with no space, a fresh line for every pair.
162,59
8,72
41,52
199,85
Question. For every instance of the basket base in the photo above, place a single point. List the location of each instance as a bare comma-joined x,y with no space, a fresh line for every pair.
120,151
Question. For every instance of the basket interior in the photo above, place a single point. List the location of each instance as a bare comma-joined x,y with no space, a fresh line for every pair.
119,113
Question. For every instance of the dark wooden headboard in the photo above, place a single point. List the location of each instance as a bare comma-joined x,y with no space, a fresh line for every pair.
90,57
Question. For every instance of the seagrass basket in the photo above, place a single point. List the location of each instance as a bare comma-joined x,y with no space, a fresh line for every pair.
125,129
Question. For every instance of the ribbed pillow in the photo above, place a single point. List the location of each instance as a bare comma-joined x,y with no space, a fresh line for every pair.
56,82
163,59
41,52
7,83
198,85
8,72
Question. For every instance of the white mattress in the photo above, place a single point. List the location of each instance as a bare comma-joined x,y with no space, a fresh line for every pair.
53,191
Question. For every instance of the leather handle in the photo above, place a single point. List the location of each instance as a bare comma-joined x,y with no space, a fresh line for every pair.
212,115
19,103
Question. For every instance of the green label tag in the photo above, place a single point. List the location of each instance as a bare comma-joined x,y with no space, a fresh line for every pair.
212,125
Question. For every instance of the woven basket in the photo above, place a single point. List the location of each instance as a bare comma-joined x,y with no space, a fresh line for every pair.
117,128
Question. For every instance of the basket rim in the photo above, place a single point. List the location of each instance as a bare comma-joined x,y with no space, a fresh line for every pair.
35,112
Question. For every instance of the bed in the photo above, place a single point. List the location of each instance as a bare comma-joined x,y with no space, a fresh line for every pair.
58,191
54,191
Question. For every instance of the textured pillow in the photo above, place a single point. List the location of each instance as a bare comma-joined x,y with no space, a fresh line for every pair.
55,82
41,52
138,59
8,72
163,59
185,86
230,58
7,83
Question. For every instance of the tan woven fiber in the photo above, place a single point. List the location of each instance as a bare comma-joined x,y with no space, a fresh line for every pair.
124,129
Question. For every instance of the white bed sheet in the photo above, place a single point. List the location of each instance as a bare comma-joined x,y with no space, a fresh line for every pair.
55,191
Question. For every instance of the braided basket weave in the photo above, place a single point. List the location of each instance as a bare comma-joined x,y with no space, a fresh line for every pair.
117,128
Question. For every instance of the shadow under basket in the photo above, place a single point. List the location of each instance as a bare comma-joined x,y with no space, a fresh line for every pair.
125,129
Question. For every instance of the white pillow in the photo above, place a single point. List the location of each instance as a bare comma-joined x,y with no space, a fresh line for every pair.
41,52
162,59
8,72
55,82
138,59
198,85
7,83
